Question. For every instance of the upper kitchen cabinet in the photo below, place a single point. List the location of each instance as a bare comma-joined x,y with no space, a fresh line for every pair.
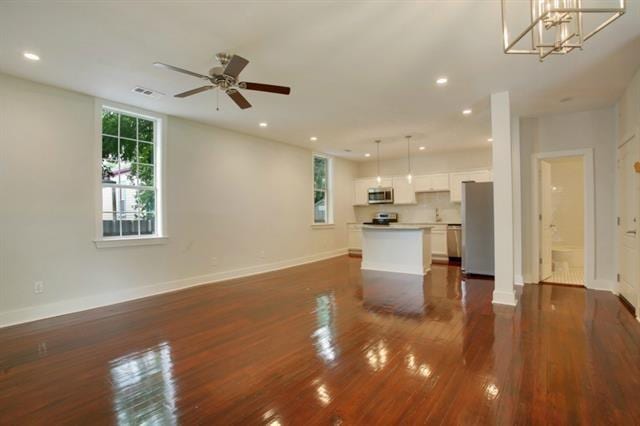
456,179
403,191
361,189
431,183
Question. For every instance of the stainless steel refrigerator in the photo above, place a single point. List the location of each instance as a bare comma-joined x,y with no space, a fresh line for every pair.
477,228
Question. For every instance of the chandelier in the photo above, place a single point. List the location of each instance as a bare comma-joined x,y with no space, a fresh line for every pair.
558,26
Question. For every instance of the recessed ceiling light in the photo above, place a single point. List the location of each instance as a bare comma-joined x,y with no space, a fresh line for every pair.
490,140
422,148
313,138
367,155
263,124
467,111
31,56
441,81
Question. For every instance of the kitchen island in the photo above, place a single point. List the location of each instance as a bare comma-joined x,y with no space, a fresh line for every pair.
397,248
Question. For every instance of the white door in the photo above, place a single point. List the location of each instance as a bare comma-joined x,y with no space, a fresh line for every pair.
628,206
545,221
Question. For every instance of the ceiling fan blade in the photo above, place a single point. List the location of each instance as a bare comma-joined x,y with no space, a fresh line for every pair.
183,71
237,97
282,90
193,91
235,66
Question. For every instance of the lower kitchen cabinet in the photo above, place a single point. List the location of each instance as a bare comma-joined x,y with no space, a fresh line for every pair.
354,238
439,242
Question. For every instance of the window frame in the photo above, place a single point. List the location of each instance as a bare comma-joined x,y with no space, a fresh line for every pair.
160,235
329,222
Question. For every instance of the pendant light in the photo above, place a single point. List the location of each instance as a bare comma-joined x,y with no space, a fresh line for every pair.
379,178
409,177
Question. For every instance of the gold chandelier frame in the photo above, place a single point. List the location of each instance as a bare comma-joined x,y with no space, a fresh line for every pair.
566,17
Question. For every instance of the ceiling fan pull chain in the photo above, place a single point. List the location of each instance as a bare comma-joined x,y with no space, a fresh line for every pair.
217,99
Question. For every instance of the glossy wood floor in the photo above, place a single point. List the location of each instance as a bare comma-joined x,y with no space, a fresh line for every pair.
327,344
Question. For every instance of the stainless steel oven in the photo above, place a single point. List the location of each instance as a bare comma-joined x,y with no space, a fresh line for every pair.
380,196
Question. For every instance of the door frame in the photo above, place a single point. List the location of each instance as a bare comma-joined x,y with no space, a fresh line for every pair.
589,212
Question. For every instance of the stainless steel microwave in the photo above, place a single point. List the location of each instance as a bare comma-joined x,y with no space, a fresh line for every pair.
380,196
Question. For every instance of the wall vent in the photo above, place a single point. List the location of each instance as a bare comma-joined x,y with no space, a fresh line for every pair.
147,92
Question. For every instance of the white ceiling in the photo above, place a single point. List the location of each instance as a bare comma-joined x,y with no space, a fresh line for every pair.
358,70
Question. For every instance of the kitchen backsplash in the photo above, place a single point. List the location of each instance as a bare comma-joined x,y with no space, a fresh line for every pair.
423,211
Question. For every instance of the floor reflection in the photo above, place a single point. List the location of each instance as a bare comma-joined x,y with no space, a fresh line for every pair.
143,387
325,334
400,294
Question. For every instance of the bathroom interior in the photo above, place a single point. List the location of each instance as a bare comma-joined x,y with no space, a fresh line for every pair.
567,220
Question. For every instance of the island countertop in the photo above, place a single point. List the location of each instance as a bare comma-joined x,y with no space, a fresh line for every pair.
397,227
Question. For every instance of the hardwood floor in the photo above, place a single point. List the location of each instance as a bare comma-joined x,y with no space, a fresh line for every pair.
327,344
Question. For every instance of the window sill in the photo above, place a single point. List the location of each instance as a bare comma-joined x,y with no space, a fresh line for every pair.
130,242
323,225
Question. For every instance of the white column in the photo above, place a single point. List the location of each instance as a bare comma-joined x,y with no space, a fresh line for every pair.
503,293
518,277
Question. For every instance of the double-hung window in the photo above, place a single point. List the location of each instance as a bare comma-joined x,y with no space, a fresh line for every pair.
322,205
130,175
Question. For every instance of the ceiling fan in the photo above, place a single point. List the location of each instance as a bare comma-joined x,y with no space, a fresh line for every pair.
225,77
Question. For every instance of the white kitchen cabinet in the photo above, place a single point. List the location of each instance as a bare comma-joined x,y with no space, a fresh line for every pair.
354,238
431,183
440,182
439,242
456,179
360,191
403,191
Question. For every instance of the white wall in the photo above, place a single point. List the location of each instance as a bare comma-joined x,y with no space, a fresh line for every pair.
582,130
229,196
421,164
425,163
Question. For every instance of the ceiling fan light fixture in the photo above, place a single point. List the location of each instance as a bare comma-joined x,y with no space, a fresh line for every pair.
264,124
467,111
441,81
313,138
557,27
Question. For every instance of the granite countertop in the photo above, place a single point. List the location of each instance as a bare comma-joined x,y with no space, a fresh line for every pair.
398,227
412,223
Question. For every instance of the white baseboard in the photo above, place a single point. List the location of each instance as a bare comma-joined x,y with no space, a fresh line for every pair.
518,280
603,285
33,313
504,298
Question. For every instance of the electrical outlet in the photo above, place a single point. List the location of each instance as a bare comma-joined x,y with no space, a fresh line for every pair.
38,287
214,261
262,255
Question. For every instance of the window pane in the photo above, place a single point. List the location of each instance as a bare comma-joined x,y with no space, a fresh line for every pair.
127,200
145,153
110,199
128,126
144,174
128,150
109,122
146,203
320,173
110,224
145,130
109,159
320,207
148,224
129,223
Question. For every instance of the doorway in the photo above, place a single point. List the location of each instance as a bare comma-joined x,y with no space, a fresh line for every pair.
561,219
628,212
